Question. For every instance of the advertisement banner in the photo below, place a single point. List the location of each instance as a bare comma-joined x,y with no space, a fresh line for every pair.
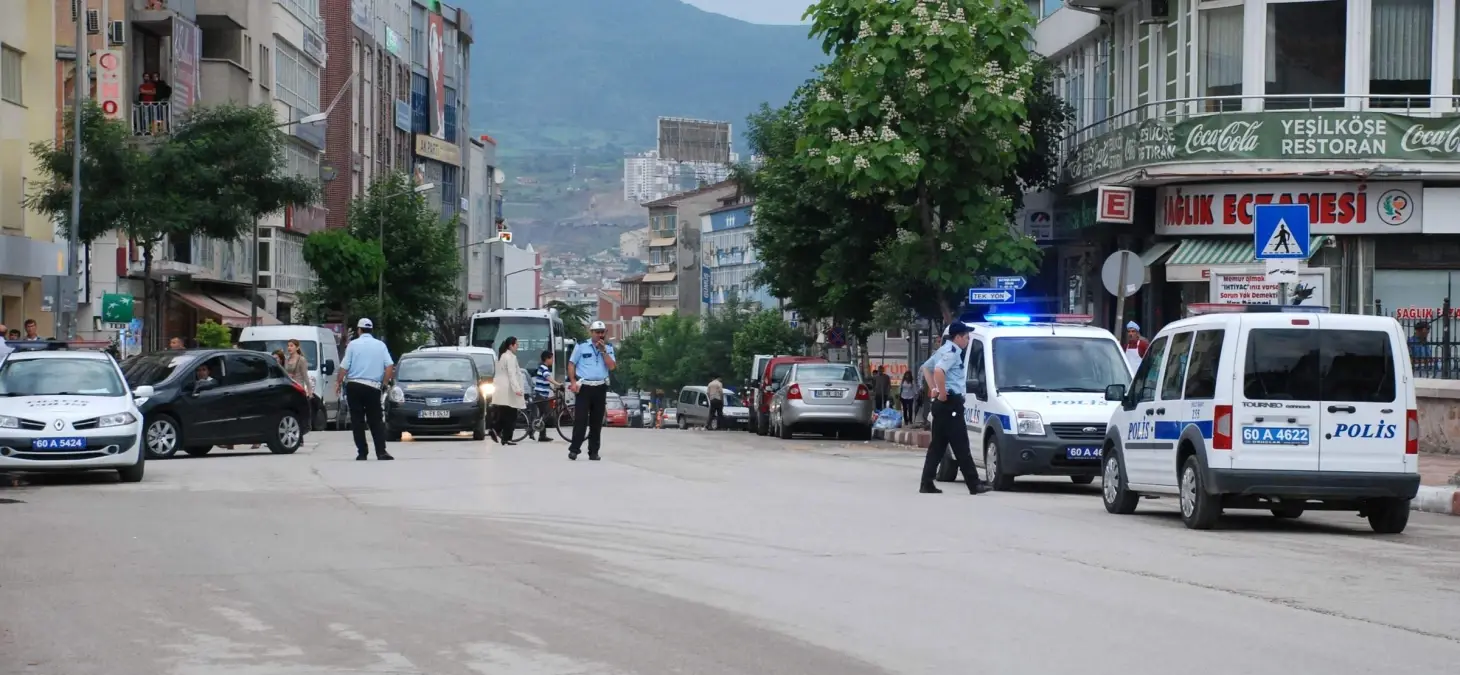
187,41
111,86
436,69
437,149
394,44
1334,207
1296,135
360,14
403,115
1250,287
704,284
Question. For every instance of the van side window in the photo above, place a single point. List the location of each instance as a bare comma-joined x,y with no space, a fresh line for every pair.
1206,353
1171,383
1143,386
976,369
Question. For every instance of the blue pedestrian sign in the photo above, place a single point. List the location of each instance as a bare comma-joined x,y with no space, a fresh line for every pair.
990,296
1010,283
1280,232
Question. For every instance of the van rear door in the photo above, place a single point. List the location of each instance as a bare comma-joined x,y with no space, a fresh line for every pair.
1276,397
1363,405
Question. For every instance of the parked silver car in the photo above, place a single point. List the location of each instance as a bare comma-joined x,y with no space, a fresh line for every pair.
829,398
694,408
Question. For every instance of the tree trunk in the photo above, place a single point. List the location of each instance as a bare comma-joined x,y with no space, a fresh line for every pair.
930,235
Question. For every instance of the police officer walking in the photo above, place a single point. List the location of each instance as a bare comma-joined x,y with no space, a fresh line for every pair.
948,389
368,367
588,370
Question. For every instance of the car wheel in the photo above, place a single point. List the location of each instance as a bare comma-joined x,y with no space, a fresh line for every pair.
998,480
163,437
1288,511
1199,510
1388,516
679,422
288,435
133,473
763,429
479,432
198,450
947,469
1082,480
321,419
1113,489
783,430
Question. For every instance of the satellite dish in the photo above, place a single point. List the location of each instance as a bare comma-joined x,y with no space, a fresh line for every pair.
498,177
327,172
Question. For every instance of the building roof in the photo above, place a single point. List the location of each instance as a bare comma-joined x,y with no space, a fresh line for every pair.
730,207
632,279
671,200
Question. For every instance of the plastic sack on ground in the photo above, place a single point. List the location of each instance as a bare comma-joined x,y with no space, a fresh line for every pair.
888,418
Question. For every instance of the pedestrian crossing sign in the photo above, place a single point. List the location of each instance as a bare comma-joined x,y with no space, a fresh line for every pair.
1281,232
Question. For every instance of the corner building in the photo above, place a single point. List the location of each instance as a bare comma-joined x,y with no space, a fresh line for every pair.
1207,108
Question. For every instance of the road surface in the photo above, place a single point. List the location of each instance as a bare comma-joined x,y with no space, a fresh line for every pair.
686,552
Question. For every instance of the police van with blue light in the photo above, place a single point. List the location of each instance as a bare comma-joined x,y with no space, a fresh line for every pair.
64,409
1284,409
1036,396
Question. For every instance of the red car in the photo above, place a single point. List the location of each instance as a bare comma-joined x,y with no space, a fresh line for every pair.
614,412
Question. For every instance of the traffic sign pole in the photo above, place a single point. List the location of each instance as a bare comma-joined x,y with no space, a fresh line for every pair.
1120,297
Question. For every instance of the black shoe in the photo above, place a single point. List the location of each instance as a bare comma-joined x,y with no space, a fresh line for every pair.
544,439
362,456
573,454
593,456
930,489
383,456
979,488
509,442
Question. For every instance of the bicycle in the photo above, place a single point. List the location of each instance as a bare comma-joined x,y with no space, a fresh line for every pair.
564,414
529,423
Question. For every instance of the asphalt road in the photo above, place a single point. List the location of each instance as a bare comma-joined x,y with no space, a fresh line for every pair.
686,552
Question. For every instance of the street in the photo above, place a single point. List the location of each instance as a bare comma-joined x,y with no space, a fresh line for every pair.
685,552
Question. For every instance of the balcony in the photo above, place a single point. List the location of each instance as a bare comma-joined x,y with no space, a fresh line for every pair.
1302,134
151,119
222,14
227,82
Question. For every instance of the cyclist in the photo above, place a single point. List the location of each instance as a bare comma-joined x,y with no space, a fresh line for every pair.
543,385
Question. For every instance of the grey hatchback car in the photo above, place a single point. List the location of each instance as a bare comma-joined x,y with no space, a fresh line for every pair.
829,398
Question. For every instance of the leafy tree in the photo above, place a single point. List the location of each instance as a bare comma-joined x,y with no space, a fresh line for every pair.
348,270
449,324
421,263
575,318
720,329
213,335
671,354
764,332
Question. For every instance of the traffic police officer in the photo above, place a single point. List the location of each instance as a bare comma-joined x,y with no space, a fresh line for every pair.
588,370
949,384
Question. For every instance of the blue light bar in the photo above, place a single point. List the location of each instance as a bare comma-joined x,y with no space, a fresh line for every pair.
1008,319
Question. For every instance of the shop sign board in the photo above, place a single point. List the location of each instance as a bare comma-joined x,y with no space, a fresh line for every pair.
1334,207
1269,136
1243,286
1115,205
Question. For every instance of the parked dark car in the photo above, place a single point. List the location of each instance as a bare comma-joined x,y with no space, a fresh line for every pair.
436,394
636,406
208,397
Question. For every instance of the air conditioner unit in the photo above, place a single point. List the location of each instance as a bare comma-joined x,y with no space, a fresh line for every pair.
117,33
1155,11
75,8
93,22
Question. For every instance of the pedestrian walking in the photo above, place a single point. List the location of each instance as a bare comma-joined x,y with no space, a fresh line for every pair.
588,370
907,391
365,372
716,392
542,390
949,387
511,394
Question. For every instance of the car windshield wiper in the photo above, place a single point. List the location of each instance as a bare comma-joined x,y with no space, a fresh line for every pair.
1078,390
1025,387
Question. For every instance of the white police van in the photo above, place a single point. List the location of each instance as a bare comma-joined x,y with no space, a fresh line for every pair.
1266,407
1036,396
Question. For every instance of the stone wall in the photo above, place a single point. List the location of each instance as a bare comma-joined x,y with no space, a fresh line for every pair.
1439,416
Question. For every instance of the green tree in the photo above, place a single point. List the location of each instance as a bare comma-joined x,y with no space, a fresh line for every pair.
421,258
764,332
671,354
575,318
720,329
348,270
213,335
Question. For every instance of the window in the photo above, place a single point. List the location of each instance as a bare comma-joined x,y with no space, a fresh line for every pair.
450,202
309,348
302,162
49,377
977,366
1171,384
211,369
436,369
1100,82
1400,52
420,104
450,115
264,70
827,372
1305,53
1143,386
1206,355
1314,365
297,79
1050,6
11,83
1221,56
1063,364
246,369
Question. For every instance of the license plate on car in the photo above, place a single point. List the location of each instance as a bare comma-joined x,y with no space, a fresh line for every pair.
58,444
434,414
1275,435
1083,452
827,393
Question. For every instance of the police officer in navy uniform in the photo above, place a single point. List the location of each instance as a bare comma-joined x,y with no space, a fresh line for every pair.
949,384
588,370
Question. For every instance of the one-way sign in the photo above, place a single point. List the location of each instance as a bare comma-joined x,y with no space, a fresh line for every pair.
1010,283
990,296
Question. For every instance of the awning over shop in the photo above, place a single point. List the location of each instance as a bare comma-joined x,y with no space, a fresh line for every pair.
227,316
1157,251
658,311
240,305
1194,257
662,241
659,277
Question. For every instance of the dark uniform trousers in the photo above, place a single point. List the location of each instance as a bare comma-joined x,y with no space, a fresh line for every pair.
588,411
949,431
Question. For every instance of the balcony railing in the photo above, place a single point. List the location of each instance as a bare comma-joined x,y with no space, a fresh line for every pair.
152,119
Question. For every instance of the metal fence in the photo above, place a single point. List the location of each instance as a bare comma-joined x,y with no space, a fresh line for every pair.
1431,335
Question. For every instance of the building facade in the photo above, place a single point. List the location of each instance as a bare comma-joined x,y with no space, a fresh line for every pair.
730,260
1209,108
672,283
648,178
480,274
440,46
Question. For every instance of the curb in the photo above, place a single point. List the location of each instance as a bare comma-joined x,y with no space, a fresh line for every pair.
1437,499
912,438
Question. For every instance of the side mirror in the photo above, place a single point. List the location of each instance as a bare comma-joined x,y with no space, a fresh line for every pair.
1115,392
144,391
204,385
328,368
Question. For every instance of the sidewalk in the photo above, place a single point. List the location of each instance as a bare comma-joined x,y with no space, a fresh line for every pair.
1436,493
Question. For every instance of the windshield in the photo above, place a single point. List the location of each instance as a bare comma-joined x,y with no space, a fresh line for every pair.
309,348
1063,364
534,336
828,372
732,400
486,363
151,370
435,369
51,377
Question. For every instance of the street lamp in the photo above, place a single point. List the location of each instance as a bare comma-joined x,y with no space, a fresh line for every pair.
380,216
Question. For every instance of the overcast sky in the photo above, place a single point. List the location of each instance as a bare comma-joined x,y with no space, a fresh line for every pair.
757,11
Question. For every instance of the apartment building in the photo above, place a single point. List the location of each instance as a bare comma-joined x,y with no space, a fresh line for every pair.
440,44
673,282
730,262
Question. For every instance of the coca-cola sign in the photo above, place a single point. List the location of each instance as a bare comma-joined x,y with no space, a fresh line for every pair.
1294,136
1334,207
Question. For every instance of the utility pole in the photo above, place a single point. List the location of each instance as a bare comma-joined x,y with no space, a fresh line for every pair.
66,325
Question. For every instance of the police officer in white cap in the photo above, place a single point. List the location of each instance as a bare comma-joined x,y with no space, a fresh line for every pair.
368,367
588,373
949,431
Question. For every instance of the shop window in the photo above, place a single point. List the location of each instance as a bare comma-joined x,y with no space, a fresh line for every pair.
1306,44
1221,57
1400,53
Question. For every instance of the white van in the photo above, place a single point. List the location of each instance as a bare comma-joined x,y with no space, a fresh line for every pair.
1036,397
1268,407
321,350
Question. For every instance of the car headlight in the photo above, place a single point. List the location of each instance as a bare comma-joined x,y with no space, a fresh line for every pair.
397,395
470,395
7,422
118,420
488,388
1028,423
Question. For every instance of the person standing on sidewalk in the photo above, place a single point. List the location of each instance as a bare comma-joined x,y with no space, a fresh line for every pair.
588,370
369,369
949,386
716,392
881,388
908,393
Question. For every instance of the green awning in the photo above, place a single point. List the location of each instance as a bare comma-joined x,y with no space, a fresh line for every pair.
1215,252
1157,250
